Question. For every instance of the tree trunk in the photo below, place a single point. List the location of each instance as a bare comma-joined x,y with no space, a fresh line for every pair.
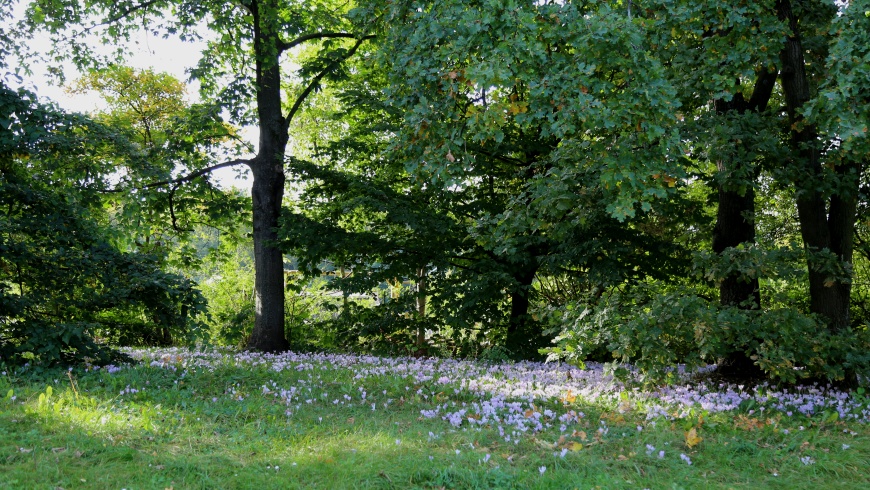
735,221
268,334
735,225
735,216
268,187
825,225
522,338
421,308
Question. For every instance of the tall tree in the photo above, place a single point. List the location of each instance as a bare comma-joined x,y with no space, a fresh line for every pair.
241,70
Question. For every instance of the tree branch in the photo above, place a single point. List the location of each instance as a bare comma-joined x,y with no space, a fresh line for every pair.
316,80
125,13
196,174
187,178
284,46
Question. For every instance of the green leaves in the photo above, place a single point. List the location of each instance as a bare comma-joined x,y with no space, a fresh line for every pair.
61,281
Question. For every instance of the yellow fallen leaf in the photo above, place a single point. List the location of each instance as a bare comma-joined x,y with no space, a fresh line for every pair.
692,438
576,446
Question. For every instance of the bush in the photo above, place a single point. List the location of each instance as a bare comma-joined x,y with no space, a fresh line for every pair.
656,330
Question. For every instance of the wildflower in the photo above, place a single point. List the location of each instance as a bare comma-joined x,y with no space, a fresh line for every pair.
846,446
661,454
686,459
542,469
806,460
398,441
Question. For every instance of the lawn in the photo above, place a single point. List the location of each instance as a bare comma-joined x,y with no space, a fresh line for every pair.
209,419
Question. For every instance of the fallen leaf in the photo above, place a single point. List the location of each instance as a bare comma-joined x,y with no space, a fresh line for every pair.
692,438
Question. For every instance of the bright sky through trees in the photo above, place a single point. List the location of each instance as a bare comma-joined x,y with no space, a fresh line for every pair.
147,52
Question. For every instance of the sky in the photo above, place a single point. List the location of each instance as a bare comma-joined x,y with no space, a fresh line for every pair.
162,55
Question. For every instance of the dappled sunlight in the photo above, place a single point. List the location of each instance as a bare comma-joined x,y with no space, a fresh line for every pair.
505,392
205,419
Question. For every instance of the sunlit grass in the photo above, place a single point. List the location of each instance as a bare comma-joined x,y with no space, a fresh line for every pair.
213,420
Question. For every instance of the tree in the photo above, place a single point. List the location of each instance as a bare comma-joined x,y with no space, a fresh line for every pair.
64,286
637,94
172,138
241,70
496,100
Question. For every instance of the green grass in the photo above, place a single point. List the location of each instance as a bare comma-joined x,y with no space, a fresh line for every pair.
171,434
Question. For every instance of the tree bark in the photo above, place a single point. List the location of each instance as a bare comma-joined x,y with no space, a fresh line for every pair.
735,222
826,224
522,339
421,308
735,216
268,187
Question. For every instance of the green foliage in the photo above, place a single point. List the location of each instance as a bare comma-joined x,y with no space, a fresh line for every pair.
228,287
655,329
66,291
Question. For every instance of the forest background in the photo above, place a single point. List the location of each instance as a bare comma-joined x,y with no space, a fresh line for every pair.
650,183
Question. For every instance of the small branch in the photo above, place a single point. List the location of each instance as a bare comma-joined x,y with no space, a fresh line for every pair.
172,210
316,80
125,13
284,46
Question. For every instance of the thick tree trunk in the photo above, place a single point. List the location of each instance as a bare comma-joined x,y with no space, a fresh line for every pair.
735,216
268,334
735,225
268,187
735,221
522,338
825,225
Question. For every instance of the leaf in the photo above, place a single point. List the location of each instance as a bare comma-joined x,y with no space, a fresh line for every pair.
576,446
692,438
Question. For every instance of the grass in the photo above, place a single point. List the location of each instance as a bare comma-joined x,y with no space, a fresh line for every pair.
210,420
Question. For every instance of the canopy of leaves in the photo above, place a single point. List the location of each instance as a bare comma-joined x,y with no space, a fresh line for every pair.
65,289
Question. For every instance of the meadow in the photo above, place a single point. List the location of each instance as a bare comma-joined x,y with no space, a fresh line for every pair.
216,419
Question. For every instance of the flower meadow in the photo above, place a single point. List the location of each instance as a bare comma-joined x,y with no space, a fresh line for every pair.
221,417
508,395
